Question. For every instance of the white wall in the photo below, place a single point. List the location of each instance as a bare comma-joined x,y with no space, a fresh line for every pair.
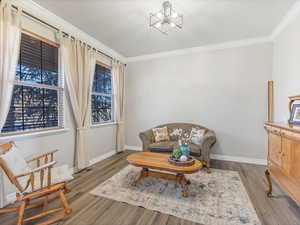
286,71
224,90
100,139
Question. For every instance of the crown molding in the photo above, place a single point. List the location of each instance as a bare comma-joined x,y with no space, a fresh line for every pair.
213,47
51,18
40,12
287,19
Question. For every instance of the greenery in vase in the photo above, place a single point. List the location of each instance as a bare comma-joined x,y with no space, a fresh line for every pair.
176,153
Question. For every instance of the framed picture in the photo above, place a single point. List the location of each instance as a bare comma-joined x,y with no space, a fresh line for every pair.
295,114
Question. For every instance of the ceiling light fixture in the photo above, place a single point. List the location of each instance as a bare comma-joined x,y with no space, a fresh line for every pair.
166,19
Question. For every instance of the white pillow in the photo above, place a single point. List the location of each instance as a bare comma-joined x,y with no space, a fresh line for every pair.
16,164
196,135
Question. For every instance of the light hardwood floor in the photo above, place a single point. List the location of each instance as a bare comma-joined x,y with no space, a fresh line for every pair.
93,210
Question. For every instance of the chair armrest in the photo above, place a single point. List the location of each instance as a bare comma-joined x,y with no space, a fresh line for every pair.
41,171
46,157
146,138
35,170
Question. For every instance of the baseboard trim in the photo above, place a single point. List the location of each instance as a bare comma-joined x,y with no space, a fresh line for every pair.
218,157
239,159
102,157
134,148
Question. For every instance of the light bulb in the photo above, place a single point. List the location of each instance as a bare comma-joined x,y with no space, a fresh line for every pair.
159,15
174,15
157,25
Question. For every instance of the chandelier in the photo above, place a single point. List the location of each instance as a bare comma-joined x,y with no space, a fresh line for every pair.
166,19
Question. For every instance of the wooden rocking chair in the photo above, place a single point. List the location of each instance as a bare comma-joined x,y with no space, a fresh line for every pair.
30,185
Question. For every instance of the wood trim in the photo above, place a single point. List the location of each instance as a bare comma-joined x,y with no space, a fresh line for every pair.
289,127
103,64
40,38
270,100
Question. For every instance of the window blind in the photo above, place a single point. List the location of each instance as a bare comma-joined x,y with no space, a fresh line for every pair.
37,100
102,96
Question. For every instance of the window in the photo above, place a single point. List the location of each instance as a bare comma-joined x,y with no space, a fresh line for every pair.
38,94
102,95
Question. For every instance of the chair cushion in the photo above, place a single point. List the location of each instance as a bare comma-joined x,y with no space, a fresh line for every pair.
166,146
58,174
15,161
16,164
161,134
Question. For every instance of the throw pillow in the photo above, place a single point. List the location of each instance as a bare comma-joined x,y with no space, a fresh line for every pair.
196,135
161,134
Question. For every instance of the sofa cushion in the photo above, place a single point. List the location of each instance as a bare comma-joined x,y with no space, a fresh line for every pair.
161,134
195,148
166,146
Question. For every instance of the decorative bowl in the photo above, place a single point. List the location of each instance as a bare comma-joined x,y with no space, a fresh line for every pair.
177,162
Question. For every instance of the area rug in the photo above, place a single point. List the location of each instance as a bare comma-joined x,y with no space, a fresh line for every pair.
218,198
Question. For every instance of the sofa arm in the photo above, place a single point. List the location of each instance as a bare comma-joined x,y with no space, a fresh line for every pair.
146,138
206,144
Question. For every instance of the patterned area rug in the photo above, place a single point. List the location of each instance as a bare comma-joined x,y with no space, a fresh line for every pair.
218,198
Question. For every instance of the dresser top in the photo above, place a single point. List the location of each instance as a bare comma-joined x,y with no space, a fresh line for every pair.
285,126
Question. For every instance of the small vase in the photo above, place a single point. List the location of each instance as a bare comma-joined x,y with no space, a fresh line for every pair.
185,150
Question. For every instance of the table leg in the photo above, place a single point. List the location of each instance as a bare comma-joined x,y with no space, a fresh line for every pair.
181,179
143,174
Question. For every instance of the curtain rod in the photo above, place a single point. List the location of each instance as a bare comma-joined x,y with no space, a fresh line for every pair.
57,29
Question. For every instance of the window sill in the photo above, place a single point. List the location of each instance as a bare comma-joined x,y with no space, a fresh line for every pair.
103,124
22,136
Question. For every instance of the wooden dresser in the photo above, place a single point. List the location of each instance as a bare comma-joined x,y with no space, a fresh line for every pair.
284,157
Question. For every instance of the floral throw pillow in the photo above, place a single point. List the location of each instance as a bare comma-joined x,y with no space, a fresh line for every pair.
196,135
161,134
176,132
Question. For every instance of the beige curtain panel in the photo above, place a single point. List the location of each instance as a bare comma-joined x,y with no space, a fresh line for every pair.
10,37
118,70
78,63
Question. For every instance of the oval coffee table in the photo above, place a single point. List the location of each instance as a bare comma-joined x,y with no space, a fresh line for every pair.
158,161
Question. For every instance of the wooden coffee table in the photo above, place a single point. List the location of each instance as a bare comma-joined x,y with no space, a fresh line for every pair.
158,161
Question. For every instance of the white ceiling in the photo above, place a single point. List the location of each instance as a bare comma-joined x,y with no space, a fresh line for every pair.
123,25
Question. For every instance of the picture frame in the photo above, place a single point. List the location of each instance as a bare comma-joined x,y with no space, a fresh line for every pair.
295,114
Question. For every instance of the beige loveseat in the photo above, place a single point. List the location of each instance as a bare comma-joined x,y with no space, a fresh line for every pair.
202,150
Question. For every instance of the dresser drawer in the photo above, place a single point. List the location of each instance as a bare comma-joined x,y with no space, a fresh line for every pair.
275,151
